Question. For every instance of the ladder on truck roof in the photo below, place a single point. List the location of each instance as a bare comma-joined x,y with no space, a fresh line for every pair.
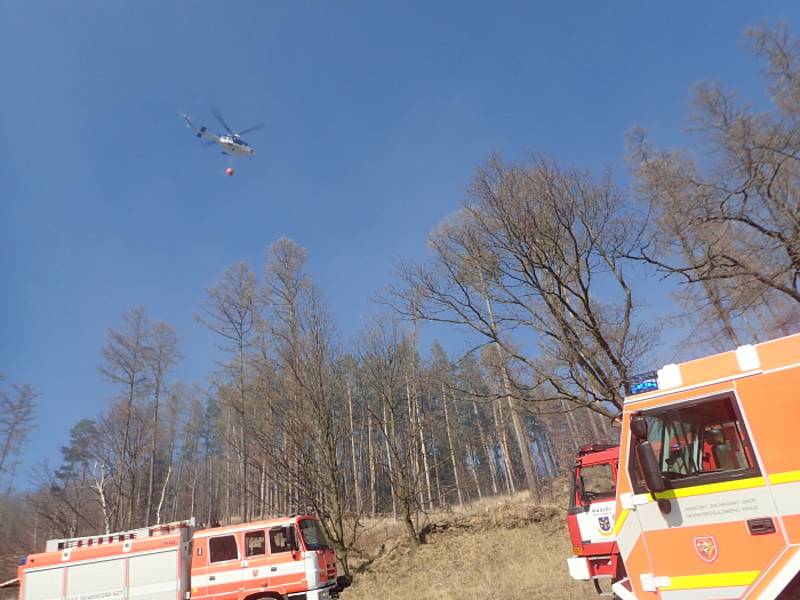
120,536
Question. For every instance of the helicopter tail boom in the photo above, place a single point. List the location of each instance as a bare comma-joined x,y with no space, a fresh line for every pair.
200,132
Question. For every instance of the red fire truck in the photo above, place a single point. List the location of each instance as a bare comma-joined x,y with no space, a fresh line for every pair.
280,559
590,517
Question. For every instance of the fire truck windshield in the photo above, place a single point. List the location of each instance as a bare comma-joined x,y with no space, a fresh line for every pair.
313,536
597,481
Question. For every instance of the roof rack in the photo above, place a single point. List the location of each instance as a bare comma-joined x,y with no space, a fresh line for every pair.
589,448
120,536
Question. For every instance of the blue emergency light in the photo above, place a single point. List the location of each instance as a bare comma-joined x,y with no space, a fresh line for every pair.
644,382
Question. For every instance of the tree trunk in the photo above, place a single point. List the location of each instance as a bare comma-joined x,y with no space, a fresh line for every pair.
243,501
413,536
439,493
474,469
163,495
356,484
485,444
412,440
596,435
452,449
153,447
500,425
386,435
522,438
425,455
519,431
573,430
371,458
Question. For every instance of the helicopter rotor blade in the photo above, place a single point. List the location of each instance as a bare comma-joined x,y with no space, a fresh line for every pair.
251,128
219,118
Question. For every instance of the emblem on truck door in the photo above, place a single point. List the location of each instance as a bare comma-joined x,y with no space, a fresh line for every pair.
706,548
605,524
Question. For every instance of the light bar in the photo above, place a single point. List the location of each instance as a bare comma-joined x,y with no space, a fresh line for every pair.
644,382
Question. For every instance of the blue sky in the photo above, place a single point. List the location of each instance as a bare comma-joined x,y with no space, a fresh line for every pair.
376,114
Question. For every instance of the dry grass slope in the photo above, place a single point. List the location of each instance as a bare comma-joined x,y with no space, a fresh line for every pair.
509,551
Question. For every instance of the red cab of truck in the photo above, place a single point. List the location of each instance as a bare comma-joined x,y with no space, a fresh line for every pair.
290,557
590,517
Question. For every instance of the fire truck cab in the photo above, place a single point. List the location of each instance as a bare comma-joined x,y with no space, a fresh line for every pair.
590,517
288,557
708,491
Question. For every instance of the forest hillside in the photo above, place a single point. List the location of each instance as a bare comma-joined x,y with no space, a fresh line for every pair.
502,548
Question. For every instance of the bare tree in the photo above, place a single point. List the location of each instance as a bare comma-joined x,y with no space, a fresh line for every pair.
731,230
125,364
16,421
232,310
384,359
161,356
314,430
99,481
536,252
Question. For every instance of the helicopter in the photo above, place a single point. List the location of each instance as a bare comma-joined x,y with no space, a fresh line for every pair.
231,143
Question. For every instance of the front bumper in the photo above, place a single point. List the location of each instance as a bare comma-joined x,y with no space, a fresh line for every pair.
579,568
325,593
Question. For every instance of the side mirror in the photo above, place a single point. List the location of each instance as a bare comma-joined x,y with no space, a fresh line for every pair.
638,427
649,465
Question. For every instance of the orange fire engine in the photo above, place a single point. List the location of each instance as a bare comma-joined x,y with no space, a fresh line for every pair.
708,491
288,558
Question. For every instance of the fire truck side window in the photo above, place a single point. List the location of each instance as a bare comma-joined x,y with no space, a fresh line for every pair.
597,481
222,548
254,543
696,442
278,540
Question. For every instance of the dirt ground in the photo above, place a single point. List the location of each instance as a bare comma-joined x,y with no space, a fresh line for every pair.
506,550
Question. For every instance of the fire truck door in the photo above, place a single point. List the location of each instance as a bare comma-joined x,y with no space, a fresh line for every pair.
255,570
224,571
595,488
713,530
286,566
